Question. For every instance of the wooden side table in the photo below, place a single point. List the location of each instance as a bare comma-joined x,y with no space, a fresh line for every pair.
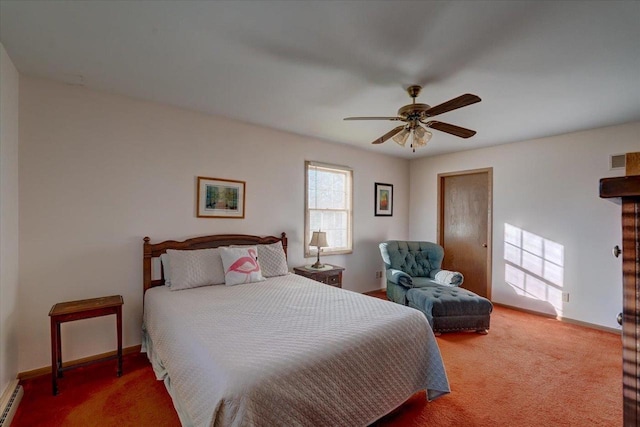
331,276
76,310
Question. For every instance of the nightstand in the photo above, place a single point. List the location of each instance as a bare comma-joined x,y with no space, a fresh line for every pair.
329,276
76,310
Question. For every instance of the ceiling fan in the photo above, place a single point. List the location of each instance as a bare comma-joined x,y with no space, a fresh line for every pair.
414,115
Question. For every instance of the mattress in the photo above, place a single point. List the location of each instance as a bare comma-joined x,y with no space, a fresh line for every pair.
288,351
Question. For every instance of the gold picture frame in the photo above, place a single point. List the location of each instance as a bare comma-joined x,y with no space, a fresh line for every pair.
220,198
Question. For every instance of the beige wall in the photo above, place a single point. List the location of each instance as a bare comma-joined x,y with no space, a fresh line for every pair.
548,188
99,172
9,83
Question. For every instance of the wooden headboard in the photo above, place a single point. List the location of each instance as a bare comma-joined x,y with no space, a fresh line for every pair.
154,250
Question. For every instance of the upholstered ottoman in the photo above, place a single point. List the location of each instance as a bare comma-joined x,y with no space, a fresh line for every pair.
450,309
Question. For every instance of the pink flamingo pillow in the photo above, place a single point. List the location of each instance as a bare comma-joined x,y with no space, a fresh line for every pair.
241,265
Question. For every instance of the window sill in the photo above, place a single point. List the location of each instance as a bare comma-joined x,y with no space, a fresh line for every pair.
308,254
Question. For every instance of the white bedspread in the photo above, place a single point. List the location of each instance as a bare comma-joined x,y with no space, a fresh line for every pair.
288,351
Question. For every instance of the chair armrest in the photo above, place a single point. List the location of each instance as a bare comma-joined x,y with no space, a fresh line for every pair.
399,278
432,273
447,277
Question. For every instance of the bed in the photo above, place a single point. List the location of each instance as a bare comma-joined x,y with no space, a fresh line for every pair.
283,351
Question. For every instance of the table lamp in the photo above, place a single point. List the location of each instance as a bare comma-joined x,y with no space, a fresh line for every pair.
319,240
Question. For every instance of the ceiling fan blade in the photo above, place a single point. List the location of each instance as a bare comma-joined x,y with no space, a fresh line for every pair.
372,118
388,135
452,104
452,129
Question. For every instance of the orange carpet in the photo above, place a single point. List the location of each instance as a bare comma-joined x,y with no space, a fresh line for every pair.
529,371
95,396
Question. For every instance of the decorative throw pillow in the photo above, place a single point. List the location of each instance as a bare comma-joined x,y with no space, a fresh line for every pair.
449,278
272,260
241,265
194,268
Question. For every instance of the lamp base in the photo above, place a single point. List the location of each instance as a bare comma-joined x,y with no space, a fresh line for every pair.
318,265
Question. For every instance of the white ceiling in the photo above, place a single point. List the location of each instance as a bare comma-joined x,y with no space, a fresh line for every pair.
541,68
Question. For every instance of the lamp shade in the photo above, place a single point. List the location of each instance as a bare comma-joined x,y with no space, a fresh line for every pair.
401,138
421,136
319,239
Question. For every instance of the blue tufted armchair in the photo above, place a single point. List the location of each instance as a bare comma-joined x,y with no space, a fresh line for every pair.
415,278
410,265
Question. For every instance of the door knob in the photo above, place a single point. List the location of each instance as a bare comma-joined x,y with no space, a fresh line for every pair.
484,245
619,319
616,251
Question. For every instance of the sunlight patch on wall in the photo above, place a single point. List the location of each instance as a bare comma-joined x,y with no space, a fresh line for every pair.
534,266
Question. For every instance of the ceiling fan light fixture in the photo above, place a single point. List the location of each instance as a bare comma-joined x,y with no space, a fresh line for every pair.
421,136
401,137
415,114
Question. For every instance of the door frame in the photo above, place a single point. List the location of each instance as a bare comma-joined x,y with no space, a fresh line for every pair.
440,230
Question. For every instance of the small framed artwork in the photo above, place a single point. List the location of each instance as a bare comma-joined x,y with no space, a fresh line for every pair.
220,198
384,199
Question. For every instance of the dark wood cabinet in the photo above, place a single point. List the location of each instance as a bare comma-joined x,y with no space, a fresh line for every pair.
331,276
627,190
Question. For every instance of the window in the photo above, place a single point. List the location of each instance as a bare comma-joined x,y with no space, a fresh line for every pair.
328,207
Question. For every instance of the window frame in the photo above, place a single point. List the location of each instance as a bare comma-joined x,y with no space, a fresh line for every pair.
312,252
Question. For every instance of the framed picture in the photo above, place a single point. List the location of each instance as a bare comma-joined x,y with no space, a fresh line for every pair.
220,198
384,199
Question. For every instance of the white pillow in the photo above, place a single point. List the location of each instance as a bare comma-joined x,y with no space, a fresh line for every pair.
272,260
194,268
449,278
241,265
164,259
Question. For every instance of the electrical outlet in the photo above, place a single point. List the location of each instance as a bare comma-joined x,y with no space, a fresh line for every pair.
378,274
565,297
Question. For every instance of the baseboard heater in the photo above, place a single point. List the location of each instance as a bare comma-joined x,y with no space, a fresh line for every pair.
9,403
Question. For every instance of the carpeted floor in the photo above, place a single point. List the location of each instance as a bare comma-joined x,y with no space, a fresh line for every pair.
94,396
528,371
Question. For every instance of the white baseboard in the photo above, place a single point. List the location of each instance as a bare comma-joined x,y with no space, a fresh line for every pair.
9,402
562,319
